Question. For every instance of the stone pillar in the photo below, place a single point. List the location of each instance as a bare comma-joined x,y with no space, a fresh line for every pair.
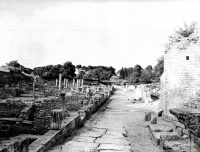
66,85
62,95
56,119
60,81
34,81
64,82
73,84
56,82
77,86
33,88
82,83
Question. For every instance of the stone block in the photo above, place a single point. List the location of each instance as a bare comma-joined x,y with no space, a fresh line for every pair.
82,113
168,136
179,131
153,120
147,116
160,128
185,131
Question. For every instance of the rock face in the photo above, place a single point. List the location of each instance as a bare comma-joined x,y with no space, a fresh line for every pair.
190,118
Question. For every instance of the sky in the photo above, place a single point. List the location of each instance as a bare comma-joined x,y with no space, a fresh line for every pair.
117,33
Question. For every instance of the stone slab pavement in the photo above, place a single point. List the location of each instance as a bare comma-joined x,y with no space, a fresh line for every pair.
119,127
106,135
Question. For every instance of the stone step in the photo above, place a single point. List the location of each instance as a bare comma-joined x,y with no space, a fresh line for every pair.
178,146
156,136
159,128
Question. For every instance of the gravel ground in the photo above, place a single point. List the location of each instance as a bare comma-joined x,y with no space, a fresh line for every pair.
138,135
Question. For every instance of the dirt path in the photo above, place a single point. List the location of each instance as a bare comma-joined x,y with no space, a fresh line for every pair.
117,127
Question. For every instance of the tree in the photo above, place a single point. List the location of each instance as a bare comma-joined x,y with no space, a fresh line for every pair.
99,73
159,68
68,70
112,70
135,75
122,74
13,64
78,66
147,75
129,70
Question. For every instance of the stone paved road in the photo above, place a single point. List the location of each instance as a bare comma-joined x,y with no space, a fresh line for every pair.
108,131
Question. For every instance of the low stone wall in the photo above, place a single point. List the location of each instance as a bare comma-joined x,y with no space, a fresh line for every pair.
52,137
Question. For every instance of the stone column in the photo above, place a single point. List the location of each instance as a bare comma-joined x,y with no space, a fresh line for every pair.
62,95
56,82
82,83
73,84
77,85
60,81
34,81
33,88
66,83
56,119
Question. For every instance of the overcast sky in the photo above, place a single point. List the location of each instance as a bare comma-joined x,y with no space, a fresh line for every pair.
118,33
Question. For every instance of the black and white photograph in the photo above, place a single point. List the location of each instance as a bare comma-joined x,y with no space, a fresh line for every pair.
99,75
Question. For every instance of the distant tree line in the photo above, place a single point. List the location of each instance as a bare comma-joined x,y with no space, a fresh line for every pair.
133,74
50,72
137,75
68,71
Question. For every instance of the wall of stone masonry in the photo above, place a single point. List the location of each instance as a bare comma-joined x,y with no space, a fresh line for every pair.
181,76
42,113
14,108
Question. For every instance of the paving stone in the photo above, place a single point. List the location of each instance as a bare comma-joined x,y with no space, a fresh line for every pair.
73,146
110,140
99,130
120,129
114,137
114,151
114,133
93,134
113,147
84,139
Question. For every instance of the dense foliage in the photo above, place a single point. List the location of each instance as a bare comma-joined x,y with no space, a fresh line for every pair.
138,75
52,72
98,72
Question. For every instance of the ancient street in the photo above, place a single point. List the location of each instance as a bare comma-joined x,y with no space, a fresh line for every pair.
119,126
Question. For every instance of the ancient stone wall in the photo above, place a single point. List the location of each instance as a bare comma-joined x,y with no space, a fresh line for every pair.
181,75
13,107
